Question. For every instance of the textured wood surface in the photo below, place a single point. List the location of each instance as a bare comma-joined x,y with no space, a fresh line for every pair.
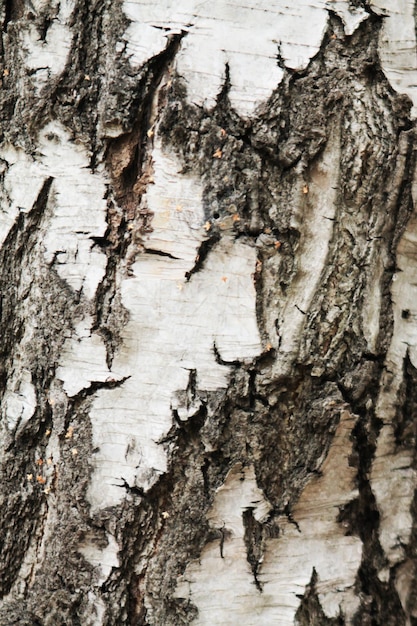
208,314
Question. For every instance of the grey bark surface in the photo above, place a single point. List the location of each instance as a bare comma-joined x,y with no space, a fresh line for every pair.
316,392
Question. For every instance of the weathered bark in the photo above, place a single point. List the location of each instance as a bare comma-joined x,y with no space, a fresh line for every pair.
208,279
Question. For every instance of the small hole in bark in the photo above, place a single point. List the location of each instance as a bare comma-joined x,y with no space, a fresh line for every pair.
216,215
405,314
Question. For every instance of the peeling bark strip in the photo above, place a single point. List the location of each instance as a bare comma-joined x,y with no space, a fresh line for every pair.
208,313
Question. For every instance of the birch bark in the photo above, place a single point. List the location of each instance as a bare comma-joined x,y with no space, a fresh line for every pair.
208,275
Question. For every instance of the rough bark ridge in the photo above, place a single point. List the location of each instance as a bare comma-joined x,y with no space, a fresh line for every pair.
208,397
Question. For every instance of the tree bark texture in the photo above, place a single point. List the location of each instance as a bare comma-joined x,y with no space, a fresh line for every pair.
208,280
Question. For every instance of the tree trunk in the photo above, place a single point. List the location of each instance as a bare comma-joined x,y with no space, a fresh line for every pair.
208,276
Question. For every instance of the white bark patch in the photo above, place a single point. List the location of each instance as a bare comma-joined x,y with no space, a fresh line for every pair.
397,45
83,359
404,584
103,559
393,479
372,298
47,58
176,201
221,583
79,211
22,184
78,207
351,16
247,36
172,329
221,588
19,401
238,493
98,610
393,482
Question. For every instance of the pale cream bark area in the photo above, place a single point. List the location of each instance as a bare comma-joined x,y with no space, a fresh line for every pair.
248,37
76,198
174,328
227,558
393,477
17,167
47,58
219,33
77,206
398,49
